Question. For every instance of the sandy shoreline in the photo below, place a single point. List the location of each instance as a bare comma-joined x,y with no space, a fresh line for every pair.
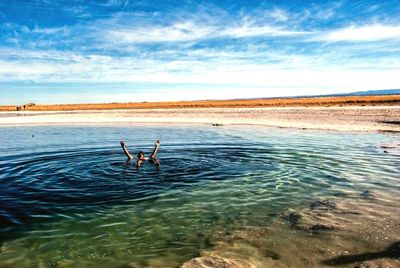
351,118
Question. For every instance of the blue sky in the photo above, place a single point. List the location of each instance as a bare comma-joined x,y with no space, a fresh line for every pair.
124,50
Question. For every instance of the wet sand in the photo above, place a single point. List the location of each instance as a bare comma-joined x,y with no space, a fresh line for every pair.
351,118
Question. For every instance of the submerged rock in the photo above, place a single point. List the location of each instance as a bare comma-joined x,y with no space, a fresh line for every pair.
270,254
216,262
246,247
321,227
323,204
320,216
308,220
293,218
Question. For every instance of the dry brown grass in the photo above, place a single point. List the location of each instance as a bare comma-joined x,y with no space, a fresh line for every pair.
275,102
7,108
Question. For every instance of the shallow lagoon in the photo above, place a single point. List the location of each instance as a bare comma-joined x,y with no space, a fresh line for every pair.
282,197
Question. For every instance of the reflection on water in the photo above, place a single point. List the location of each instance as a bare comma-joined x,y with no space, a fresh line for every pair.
68,197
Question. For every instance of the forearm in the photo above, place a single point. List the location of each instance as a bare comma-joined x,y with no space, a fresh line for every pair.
126,152
155,150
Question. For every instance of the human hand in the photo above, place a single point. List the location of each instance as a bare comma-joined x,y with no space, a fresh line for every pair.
122,143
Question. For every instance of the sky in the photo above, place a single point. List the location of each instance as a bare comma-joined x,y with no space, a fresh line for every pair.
81,51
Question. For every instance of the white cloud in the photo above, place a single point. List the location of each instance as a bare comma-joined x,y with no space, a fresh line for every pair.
243,84
278,14
192,31
285,74
187,31
12,27
116,3
49,31
366,33
325,13
252,30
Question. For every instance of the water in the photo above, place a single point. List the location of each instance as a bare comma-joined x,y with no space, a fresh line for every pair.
69,198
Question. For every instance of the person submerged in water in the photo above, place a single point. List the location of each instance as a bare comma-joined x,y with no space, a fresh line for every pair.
140,156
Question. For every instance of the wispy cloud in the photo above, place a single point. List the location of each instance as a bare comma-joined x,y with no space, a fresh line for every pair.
266,49
365,33
33,33
116,3
259,30
187,31
192,31
279,14
250,66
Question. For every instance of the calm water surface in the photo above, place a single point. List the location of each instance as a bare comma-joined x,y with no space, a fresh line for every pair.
68,197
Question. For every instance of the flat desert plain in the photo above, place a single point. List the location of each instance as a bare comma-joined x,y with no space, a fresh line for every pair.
369,113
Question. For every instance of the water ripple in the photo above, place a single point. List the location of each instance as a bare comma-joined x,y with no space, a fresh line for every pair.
81,189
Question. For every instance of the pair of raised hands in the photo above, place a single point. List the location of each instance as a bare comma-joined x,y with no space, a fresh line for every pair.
123,143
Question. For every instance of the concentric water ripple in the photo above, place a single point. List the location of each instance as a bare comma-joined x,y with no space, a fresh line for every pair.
74,184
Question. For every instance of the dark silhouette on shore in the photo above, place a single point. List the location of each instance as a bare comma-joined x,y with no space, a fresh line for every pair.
393,251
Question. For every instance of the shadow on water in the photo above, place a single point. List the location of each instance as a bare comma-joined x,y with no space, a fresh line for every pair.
393,252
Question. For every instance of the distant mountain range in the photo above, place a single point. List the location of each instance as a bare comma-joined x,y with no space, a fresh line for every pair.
357,93
370,93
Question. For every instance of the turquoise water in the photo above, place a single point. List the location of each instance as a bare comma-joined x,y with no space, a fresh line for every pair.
70,198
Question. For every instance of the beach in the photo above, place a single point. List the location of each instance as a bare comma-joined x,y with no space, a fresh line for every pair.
345,118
